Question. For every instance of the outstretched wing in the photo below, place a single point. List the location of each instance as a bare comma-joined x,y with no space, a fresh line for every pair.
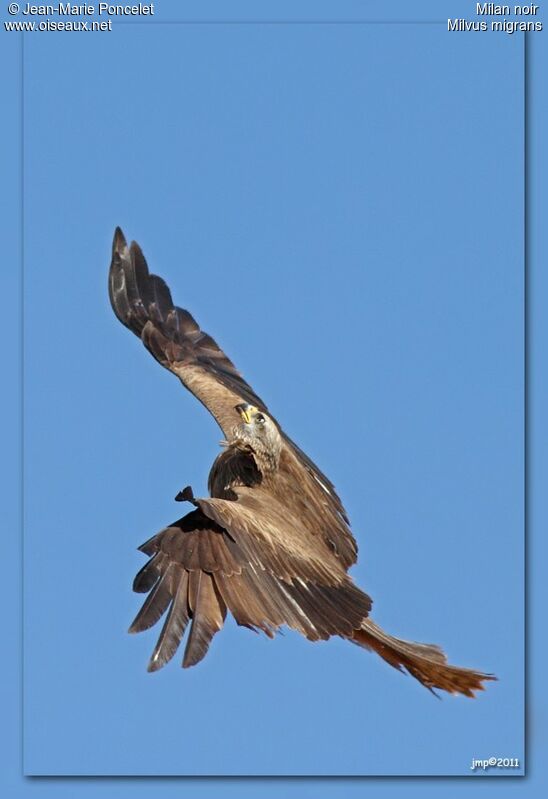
198,570
235,556
143,303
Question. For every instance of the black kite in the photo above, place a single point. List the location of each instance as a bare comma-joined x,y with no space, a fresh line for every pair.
272,543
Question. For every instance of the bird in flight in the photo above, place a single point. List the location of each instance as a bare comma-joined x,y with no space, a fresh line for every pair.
272,543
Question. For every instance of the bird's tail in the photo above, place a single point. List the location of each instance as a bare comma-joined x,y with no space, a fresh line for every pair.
426,662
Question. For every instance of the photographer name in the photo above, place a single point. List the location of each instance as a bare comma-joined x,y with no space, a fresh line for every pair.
87,10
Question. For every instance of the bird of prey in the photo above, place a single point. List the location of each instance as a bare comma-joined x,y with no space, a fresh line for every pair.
272,542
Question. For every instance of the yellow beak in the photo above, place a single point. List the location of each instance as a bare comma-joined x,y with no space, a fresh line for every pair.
245,412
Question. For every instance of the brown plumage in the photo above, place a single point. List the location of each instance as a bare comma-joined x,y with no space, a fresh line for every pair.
272,543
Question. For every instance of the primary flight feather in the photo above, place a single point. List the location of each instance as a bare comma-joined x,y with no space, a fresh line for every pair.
272,542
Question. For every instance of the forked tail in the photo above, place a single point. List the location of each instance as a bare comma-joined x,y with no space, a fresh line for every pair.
426,662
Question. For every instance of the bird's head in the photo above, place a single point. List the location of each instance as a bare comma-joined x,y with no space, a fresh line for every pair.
259,432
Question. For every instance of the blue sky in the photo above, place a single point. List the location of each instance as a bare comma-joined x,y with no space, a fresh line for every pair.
303,170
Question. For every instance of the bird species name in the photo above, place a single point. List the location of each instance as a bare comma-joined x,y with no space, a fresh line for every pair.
504,25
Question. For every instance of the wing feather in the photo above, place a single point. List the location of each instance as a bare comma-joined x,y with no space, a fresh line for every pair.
149,574
201,569
155,604
208,615
174,626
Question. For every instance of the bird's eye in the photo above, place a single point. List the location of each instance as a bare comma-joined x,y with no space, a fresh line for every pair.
259,418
